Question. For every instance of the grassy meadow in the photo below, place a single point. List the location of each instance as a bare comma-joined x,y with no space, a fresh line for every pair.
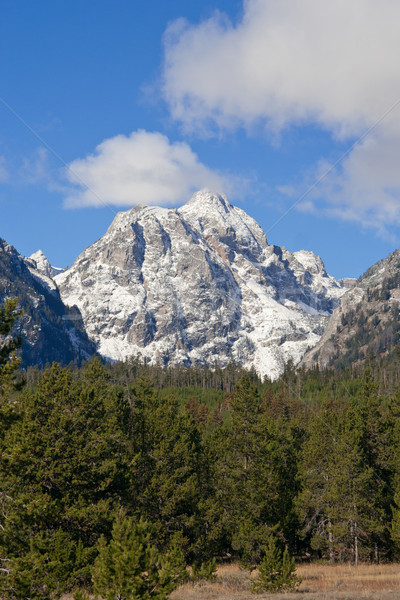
319,582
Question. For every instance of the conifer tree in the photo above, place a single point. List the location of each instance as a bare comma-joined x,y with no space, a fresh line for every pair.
9,363
245,412
277,571
254,477
8,314
341,501
131,568
173,457
395,467
64,474
365,471
318,495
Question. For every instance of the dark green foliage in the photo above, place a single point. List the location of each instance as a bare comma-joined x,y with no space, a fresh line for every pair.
345,497
8,314
204,570
394,462
130,567
62,477
311,460
277,571
8,344
10,379
188,380
254,476
167,467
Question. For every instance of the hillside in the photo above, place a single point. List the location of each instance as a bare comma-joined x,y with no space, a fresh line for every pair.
50,331
367,322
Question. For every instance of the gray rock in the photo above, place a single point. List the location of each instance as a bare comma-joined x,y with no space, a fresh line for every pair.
198,285
50,331
368,302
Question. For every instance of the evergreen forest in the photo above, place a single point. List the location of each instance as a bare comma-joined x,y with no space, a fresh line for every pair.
115,478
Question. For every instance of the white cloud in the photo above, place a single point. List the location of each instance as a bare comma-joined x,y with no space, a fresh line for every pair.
287,61
296,62
366,187
143,168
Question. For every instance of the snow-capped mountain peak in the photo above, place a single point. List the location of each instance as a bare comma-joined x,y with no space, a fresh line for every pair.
215,218
199,284
42,264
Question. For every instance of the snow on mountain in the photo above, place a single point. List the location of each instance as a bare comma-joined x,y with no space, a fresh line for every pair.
50,331
367,321
40,268
199,284
42,264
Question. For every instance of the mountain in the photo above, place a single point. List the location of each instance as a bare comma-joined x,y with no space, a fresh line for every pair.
199,284
367,321
39,261
50,331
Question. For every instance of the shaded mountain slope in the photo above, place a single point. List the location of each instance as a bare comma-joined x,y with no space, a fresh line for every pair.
50,331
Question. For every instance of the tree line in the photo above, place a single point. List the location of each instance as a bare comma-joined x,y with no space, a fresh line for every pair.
103,459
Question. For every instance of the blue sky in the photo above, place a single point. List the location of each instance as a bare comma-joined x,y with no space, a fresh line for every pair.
290,107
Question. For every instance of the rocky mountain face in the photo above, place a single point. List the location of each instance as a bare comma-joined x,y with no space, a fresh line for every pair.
39,261
367,322
50,331
199,284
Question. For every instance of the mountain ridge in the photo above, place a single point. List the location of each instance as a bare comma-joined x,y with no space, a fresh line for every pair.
199,284
50,331
367,321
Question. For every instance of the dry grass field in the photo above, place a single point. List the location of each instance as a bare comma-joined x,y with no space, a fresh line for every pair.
320,582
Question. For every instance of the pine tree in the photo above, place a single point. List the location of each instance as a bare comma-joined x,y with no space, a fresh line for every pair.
341,503
364,462
8,314
254,476
204,570
172,482
63,475
318,493
131,568
9,363
277,571
395,467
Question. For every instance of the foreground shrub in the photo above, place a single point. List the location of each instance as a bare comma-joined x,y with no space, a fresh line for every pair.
204,571
131,568
276,572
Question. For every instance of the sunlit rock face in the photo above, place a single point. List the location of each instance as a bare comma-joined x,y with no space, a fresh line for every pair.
199,284
366,323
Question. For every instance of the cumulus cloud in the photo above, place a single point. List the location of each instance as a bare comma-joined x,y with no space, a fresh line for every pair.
142,168
295,62
365,188
285,62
